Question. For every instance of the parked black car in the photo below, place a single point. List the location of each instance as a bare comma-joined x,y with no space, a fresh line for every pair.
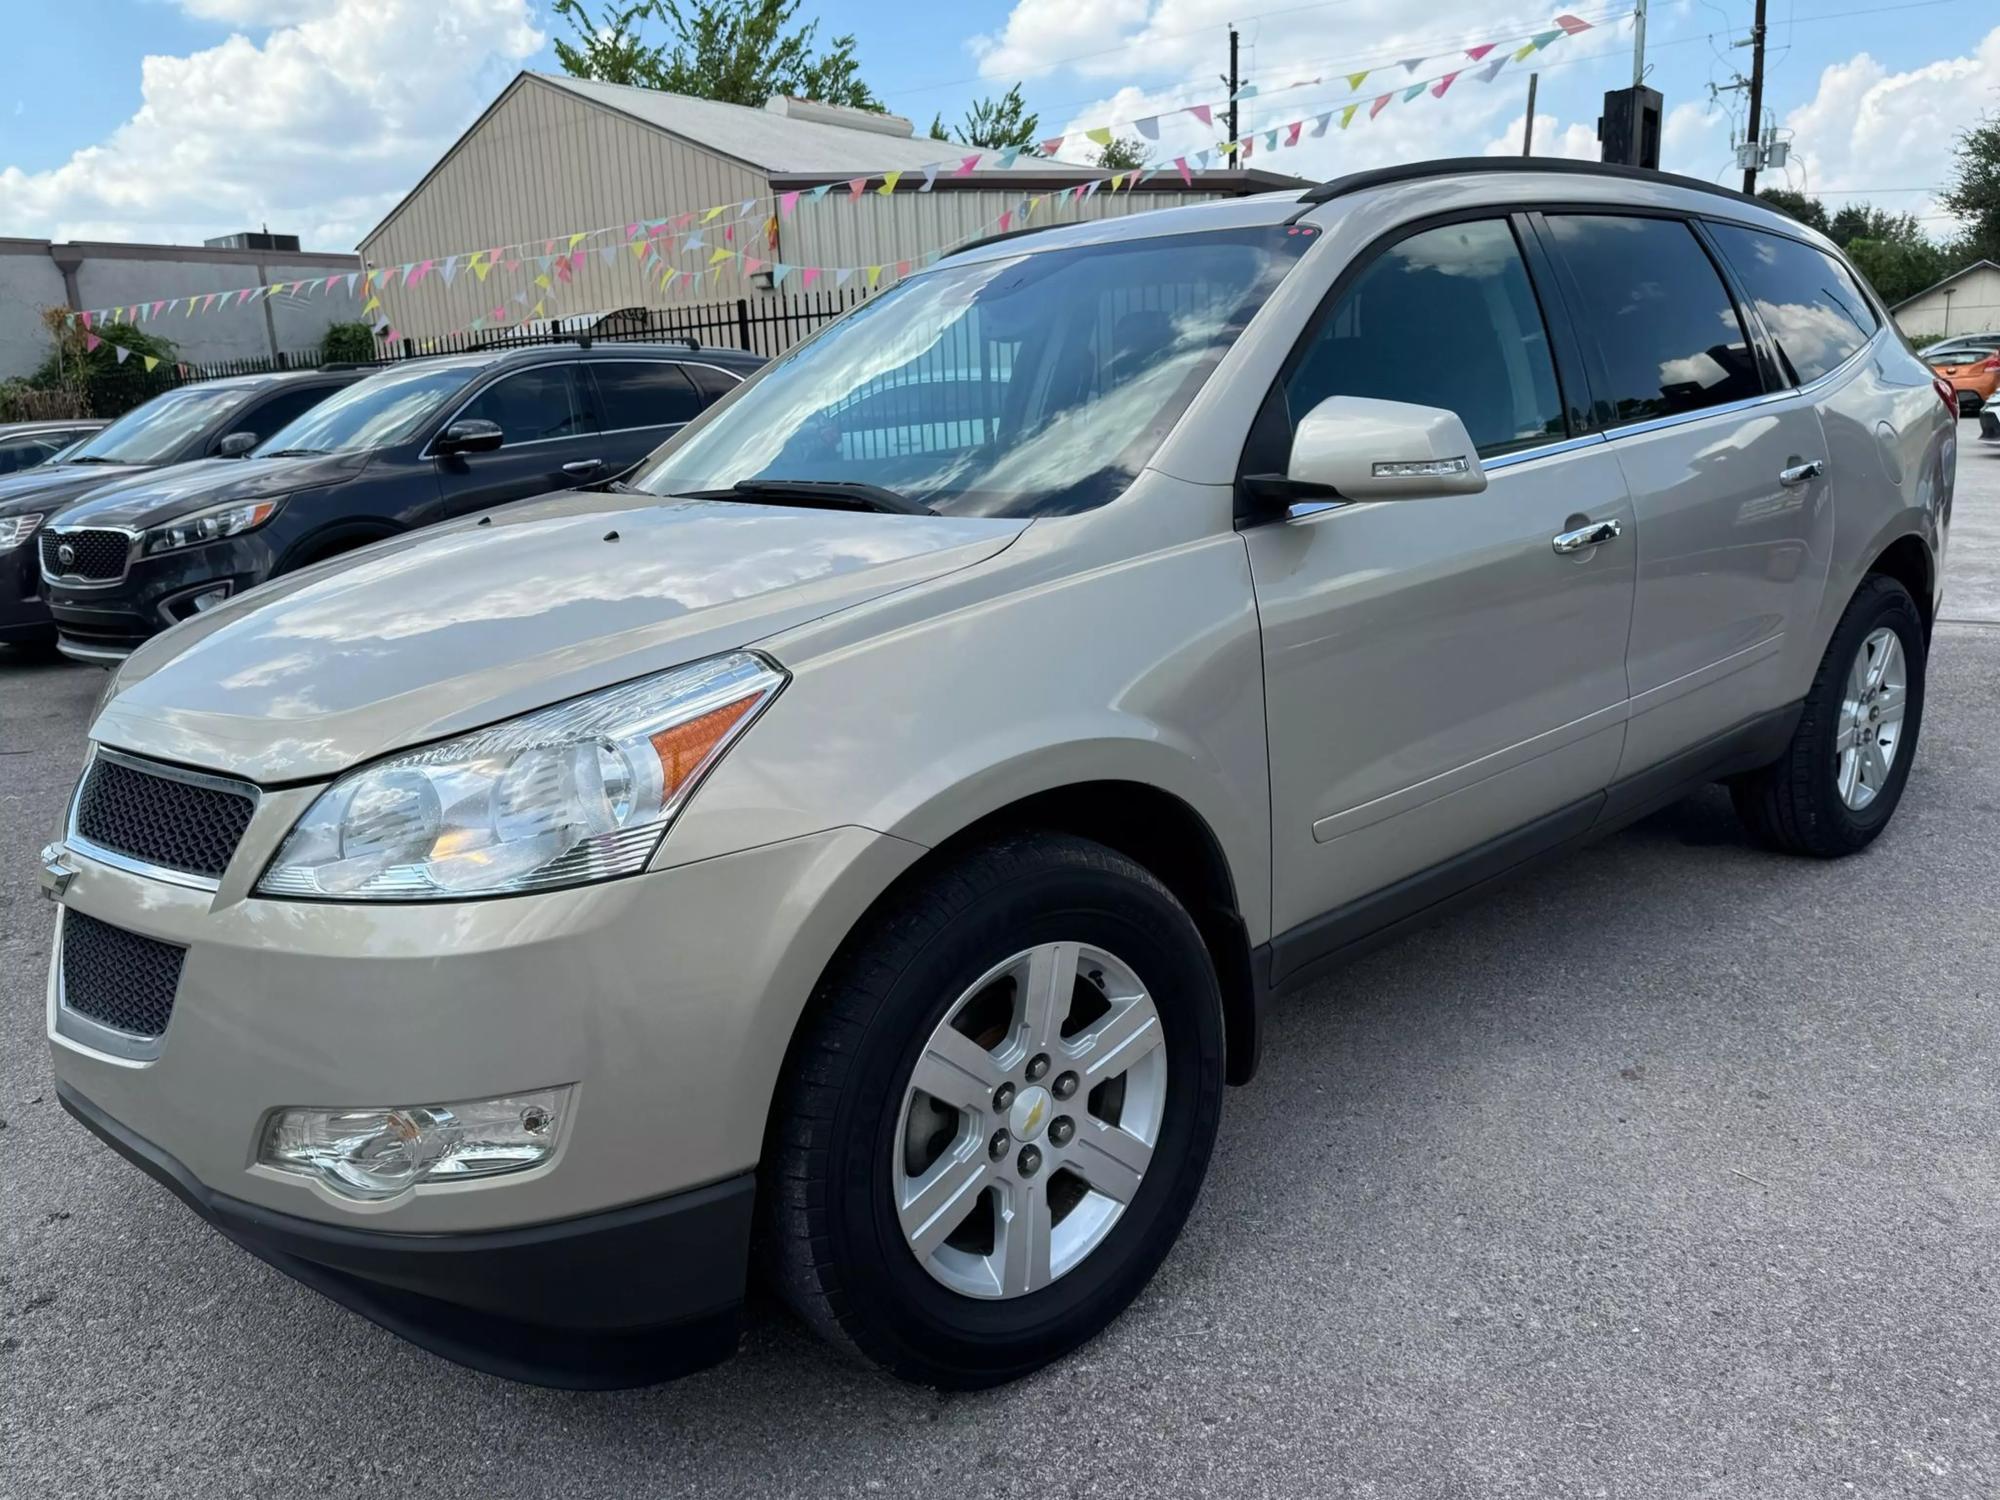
414,443
216,417
26,444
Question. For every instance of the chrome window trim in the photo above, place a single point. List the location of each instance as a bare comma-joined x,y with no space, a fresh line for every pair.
1541,450
70,580
165,874
81,1029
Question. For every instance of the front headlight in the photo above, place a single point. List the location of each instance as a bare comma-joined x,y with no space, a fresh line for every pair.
15,530
578,792
211,525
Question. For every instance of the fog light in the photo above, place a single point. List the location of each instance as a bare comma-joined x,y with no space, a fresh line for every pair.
373,1154
209,598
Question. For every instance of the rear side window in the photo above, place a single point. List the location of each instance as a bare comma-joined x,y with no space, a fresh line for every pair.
713,384
1807,299
267,417
25,453
643,393
1445,318
1659,315
533,406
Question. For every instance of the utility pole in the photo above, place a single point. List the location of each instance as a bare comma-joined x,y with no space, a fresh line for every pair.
1232,85
1756,100
1528,129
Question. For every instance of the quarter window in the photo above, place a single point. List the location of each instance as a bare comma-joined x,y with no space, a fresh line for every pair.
533,406
643,393
1445,318
1659,313
1807,299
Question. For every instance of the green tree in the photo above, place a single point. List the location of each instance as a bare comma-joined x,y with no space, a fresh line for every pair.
995,124
1974,194
109,386
348,341
1808,211
1122,155
738,51
1898,268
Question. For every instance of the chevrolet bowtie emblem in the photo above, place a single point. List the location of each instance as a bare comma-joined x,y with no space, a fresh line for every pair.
56,875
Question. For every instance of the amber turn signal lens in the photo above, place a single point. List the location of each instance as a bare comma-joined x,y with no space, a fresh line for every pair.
686,748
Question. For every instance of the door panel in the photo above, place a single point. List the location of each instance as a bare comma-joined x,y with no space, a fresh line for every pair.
1436,675
549,441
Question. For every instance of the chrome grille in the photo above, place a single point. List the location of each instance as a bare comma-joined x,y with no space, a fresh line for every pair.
97,556
117,978
161,815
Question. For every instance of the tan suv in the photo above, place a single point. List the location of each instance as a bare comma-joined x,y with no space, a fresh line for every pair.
872,834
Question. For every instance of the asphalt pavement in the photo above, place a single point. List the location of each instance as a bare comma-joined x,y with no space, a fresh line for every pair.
1673,1170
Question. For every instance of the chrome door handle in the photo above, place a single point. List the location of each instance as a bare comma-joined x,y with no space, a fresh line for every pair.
1812,468
1586,536
584,466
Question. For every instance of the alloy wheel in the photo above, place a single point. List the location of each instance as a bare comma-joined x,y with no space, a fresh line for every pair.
1029,1120
1871,719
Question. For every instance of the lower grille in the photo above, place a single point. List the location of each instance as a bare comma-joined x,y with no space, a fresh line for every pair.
162,817
117,978
96,556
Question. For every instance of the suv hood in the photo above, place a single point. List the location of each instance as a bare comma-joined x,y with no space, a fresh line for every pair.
48,485
153,497
465,624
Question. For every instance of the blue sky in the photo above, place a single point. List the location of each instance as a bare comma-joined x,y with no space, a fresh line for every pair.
180,118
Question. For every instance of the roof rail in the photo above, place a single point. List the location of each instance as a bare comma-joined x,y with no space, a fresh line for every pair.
1454,166
994,239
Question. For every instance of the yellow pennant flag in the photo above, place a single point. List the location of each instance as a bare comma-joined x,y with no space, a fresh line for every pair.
542,281
1355,80
481,268
672,272
538,310
720,256
888,183
874,275
152,362
1524,52
1101,135
639,249
714,213
371,304
1347,115
1117,182
576,239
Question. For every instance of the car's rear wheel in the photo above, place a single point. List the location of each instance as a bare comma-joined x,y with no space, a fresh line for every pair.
1838,782
998,1114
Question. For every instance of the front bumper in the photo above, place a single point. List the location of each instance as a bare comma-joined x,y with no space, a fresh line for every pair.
1989,423
628,1297
24,614
109,621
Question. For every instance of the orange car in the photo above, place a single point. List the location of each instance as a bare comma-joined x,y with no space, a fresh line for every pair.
1974,375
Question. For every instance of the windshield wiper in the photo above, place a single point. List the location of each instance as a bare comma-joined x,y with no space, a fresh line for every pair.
294,453
91,458
834,494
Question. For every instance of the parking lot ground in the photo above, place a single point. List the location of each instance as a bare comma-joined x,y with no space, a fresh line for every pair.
1673,1170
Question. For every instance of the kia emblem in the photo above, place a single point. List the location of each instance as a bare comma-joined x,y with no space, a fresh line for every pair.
66,555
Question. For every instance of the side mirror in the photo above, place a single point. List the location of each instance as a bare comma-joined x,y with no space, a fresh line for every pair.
468,435
236,445
1358,448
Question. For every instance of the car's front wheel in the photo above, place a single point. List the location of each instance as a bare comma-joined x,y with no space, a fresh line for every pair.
998,1114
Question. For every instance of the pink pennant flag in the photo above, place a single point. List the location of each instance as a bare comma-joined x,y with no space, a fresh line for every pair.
632,231
1438,88
1475,53
807,276
1202,113
1006,219
90,343
1572,25
156,309
1181,166
1292,132
965,167
788,203
1050,146
856,186
243,296
577,258
1378,106
902,268
86,318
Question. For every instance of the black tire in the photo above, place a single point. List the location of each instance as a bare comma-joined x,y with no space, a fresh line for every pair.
830,1235
1794,804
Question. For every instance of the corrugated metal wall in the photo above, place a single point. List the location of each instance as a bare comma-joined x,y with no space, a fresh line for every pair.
880,231
545,163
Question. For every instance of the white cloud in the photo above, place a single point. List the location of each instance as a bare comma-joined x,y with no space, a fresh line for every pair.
1571,142
317,130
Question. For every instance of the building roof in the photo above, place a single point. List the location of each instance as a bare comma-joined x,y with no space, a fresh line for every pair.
1954,276
770,141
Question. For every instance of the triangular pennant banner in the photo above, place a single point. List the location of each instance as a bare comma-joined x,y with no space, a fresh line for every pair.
1355,80
1492,69
1379,105
1438,88
1475,53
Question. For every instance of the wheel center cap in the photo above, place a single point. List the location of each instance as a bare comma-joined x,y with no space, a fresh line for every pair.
1030,1113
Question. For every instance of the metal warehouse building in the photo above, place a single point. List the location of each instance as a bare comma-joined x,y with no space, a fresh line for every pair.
555,155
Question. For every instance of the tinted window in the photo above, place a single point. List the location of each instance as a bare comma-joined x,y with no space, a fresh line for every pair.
376,411
1662,319
711,382
281,410
1807,299
1446,318
148,434
1026,384
642,393
532,406
25,453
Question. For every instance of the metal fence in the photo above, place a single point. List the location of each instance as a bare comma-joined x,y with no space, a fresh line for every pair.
761,325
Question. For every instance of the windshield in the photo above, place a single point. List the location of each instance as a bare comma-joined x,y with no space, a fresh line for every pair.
373,413
1028,386
148,434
